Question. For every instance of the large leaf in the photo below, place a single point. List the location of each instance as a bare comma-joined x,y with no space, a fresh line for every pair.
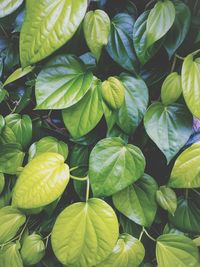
11,158
7,7
48,25
136,101
176,250
179,30
169,127
96,28
120,44
11,219
128,252
48,144
159,21
187,215
114,165
144,53
138,201
10,256
171,88
191,84
82,117
186,171
85,233
41,182
62,83
18,129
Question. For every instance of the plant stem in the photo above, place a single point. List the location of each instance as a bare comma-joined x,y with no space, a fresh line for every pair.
79,178
174,64
179,57
88,189
22,231
141,234
150,237
197,192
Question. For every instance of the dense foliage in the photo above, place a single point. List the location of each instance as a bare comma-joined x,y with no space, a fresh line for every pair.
99,133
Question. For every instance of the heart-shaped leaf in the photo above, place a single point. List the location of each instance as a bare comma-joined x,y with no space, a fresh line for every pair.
186,172
48,25
169,127
62,83
128,252
85,233
166,198
138,201
114,165
41,182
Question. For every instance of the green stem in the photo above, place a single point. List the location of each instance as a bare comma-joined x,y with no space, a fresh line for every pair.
174,64
78,178
150,237
197,192
179,57
196,52
87,189
141,234
22,231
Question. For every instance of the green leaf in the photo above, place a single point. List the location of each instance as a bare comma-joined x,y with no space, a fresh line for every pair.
8,7
187,215
160,20
176,250
96,26
11,219
2,123
41,182
120,44
136,101
11,158
17,74
10,256
166,198
169,127
18,129
85,233
33,249
185,173
82,117
128,252
2,182
171,88
144,53
191,85
138,201
62,83
179,30
114,165
48,144
48,25
113,92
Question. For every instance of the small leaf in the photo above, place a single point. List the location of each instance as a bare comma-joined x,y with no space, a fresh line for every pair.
160,20
113,92
120,44
85,233
17,74
171,89
10,256
41,182
2,182
62,83
96,26
166,198
179,30
8,7
114,165
83,117
169,127
134,107
187,215
191,85
48,144
128,252
33,249
11,158
48,25
11,219
176,250
185,173
138,201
